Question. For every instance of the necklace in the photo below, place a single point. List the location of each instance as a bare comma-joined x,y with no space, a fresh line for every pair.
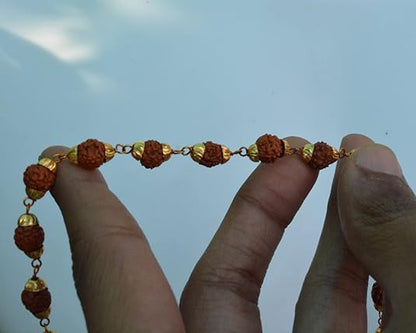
90,154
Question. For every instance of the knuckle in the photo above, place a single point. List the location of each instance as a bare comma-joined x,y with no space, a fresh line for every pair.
267,205
229,280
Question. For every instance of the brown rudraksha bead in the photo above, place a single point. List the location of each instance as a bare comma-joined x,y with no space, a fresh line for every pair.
38,178
152,155
91,154
377,296
37,302
212,155
269,147
29,239
323,155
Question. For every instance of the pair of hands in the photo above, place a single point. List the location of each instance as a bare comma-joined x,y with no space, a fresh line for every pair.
370,228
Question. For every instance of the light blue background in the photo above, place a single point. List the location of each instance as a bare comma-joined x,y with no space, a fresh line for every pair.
183,72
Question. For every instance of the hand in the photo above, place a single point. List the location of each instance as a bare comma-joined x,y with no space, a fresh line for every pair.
369,229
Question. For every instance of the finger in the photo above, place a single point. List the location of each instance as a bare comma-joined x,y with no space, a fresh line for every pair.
226,281
119,283
378,218
334,294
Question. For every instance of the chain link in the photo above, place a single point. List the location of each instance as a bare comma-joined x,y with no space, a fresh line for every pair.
185,151
59,157
28,204
36,264
343,153
242,151
123,149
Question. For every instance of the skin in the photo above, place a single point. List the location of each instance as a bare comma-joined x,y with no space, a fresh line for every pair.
370,229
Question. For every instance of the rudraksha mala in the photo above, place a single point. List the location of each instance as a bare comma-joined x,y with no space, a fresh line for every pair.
90,154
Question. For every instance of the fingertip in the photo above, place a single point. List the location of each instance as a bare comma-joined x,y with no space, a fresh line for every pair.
296,141
353,141
378,158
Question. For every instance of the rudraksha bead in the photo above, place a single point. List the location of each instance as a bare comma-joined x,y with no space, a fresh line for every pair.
38,180
210,154
377,296
37,298
269,148
29,239
151,153
323,155
91,154
319,155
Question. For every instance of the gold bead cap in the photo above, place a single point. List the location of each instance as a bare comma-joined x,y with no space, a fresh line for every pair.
253,152
35,254
226,154
27,220
166,151
35,285
34,194
197,152
109,151
307,152
49,164
138,150
72,155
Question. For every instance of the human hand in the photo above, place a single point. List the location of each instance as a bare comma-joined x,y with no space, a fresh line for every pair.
370,229
109,249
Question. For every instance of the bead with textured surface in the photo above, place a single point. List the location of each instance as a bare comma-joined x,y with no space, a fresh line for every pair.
30,238
38,180
91,154
377,296
269,148
210,154
37,298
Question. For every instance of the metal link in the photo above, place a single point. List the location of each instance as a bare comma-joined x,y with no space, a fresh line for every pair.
294,151
36,264
380,318
123,149
44,322
343,153
242,151
185,151
27,204
59,157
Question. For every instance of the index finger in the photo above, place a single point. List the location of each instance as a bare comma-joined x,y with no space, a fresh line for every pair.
118,280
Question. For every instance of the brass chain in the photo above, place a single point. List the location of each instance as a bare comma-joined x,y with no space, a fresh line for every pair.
184,151
242,151
28,203
123,149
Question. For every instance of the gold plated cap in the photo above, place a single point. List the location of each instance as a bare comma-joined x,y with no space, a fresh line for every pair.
34,194
167,151
197,152
109,151
253,152
226,154
73,155
35,254
307,152
35,285
138,150
27,220
286,147
49,164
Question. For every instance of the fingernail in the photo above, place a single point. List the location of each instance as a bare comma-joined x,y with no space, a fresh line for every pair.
378,158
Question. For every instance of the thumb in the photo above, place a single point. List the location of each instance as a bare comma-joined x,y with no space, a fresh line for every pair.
377,211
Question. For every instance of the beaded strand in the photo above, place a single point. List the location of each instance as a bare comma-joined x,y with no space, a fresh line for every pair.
91,154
